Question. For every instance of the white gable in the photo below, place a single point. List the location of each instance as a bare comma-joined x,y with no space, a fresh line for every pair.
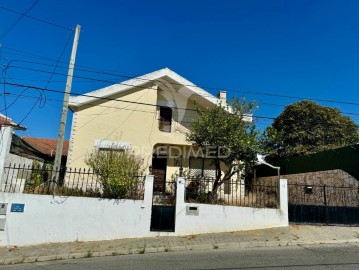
76,101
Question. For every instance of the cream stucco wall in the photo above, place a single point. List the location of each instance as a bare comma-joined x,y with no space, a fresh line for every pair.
136,124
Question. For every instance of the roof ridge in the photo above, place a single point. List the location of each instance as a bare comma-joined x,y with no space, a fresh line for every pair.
76,101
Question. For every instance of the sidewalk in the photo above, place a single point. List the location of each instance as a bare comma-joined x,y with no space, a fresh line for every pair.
292,235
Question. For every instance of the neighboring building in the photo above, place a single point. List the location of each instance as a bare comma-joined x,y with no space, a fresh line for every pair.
24,150
46,148
27,153
7,128
150,115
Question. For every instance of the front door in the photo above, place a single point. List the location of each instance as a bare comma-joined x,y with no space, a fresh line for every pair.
164,198
159,165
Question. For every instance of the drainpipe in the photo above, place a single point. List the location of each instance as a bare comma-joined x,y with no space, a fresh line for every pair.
261,161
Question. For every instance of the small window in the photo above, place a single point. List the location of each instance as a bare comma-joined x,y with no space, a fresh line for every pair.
165,119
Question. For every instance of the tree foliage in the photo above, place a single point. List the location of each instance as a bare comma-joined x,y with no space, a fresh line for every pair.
229,137
306,127
117,171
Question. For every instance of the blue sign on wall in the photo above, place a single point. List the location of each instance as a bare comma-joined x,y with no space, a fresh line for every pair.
17,207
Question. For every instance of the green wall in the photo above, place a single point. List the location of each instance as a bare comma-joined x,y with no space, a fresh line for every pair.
345,158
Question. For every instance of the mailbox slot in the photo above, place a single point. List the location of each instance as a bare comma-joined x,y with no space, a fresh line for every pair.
192,210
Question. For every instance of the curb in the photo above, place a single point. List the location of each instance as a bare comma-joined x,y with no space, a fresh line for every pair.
117,252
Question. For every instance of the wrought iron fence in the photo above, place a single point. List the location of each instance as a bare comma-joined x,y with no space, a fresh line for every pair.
326,195
232,192
71,182
167,196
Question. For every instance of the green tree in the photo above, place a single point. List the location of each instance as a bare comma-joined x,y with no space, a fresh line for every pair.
117,171
306,127
227,135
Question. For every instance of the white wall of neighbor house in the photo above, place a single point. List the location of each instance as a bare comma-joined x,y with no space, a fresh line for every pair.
15,182
5,143
64,219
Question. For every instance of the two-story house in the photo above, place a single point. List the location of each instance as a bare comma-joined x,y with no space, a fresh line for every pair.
150,115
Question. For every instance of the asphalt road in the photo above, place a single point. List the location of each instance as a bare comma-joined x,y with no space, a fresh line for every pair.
316,257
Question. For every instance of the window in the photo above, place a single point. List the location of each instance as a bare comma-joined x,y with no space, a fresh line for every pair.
202,167
165,119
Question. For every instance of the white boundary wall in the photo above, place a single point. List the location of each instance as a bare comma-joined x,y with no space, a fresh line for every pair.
53,219
65,219
220,218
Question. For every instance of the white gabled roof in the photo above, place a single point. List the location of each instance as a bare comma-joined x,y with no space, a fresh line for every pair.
76,101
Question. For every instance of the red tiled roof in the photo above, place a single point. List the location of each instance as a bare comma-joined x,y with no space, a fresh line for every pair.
6,121
46,146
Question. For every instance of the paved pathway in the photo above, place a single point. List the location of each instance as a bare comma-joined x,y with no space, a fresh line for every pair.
285,236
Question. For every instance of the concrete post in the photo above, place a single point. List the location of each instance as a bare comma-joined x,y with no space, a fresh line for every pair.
65,107
147,199
5,143
283,198
180,191
180,203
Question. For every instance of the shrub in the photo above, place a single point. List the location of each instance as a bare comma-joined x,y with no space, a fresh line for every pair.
117,170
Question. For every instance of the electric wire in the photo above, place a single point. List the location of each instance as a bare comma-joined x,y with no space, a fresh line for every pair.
127,101
42,93
186,85
22,15
34,18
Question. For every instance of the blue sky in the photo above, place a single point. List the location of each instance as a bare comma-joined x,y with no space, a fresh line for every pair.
295,48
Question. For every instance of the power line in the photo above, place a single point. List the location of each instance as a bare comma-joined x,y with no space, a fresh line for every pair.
132,102
100,71
149,80
42,93
189,85
282,106
7,31
91,96
16,99
101,80
107,81
36,19
145,87
28,54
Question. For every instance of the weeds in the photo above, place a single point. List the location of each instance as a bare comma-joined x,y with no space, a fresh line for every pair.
142,251
89,254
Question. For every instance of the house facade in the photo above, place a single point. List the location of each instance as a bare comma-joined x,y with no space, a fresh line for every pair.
149,115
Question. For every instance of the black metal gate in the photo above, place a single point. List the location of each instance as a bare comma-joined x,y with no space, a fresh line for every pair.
164,209
323,204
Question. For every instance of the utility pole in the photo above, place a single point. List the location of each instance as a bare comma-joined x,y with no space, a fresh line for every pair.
61,136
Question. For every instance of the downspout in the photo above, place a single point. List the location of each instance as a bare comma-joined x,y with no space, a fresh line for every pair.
261,161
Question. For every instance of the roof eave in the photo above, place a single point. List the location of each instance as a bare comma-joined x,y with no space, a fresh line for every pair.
105,93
